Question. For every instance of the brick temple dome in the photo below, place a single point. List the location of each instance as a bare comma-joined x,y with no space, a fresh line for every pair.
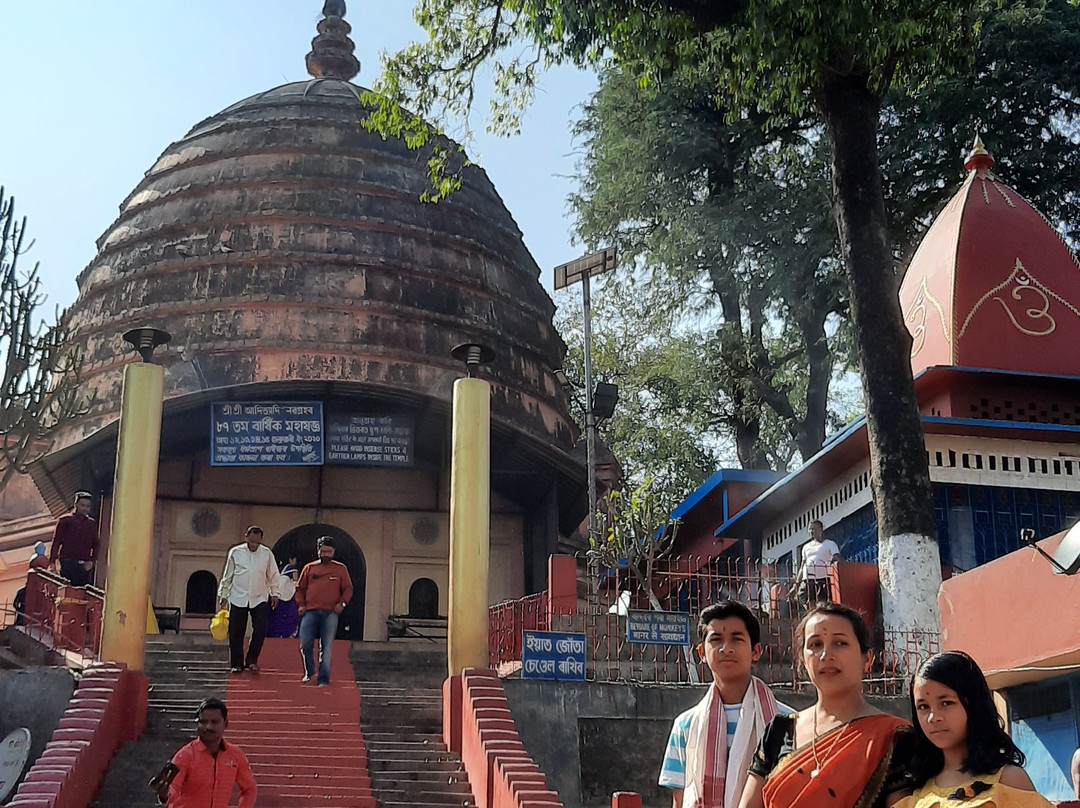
282,245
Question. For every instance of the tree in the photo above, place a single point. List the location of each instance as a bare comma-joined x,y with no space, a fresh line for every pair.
635,531
38,389
1022,92
832,59
667,179
730,226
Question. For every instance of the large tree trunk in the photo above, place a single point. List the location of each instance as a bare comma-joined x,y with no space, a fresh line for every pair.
908,560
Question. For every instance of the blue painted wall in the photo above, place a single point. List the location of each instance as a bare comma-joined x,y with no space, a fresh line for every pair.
975,524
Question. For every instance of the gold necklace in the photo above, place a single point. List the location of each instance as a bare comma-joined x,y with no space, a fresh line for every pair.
813,746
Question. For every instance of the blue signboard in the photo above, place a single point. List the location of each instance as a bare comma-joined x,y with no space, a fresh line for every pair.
369,440
266,433
658,628
552,655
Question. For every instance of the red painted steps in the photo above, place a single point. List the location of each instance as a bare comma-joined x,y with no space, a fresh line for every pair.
304,742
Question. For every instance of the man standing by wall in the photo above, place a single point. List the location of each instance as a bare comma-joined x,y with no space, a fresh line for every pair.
75,542
818,556
204,771
321,594
248,582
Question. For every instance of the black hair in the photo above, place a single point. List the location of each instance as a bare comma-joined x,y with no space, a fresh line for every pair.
325,541
213,703
82,495
858,625
730,608
253,529
989,746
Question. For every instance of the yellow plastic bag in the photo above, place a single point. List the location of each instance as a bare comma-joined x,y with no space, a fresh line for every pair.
219,626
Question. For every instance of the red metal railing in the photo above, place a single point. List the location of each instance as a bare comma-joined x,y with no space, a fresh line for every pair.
507,620
688,585
64,617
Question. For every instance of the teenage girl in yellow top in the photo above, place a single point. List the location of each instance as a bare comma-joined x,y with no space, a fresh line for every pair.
964,757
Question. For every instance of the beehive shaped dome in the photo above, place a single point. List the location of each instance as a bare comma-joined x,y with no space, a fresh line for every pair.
279,241
992,285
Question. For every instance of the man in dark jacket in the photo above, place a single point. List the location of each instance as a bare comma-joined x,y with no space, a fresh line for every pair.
75,542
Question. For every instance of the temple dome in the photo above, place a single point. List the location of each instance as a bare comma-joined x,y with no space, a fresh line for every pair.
280,243
993,285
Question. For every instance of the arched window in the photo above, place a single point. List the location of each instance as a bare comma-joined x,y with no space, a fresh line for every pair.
201,596
424,599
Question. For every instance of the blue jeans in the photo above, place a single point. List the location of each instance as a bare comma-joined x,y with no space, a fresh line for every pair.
321,623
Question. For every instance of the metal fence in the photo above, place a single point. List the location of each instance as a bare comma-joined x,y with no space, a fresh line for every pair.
687,585
56,614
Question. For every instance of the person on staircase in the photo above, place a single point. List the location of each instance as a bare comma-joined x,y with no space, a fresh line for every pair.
322,593
203,772
249,585
75,542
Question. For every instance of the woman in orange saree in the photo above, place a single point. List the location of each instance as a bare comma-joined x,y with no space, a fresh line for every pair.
840,752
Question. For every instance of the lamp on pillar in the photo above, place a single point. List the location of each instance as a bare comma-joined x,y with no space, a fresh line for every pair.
470,497
127,580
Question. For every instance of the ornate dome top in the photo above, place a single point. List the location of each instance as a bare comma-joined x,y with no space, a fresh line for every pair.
280,242
992,285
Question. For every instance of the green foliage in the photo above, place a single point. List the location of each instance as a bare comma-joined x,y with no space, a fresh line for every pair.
732,260
1021,92
770,55
635,530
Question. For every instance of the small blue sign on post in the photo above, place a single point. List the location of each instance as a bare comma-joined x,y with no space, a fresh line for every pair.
553,655
658,628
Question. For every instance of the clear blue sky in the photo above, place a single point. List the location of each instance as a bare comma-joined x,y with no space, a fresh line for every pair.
93,92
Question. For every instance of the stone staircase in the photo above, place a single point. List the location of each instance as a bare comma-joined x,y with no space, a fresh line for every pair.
182,672
306,744
401,690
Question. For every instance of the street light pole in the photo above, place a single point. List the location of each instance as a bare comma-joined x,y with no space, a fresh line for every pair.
566,274
590,416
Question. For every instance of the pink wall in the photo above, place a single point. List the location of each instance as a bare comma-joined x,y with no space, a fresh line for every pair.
107,709
1012,612
500,771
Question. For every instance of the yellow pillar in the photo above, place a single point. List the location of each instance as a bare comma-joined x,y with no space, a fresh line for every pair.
470,495
127,584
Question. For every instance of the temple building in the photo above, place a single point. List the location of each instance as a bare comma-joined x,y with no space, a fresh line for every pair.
313,301
992,301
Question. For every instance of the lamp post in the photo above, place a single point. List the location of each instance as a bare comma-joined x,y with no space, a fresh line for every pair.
566,274
470,514
127,582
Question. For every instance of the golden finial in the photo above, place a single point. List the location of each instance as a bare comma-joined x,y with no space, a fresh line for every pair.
978,157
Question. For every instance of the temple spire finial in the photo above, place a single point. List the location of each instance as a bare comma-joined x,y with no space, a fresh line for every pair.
978,157
331,53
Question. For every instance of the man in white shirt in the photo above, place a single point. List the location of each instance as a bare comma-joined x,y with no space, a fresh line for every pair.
247,584
817,557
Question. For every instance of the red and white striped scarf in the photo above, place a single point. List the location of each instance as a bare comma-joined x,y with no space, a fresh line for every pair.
715,779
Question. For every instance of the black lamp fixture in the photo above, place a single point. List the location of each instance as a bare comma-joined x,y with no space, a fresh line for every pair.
145,340
604,399
473,354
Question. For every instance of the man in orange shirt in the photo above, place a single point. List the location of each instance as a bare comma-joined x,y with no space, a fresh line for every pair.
321,594
207,768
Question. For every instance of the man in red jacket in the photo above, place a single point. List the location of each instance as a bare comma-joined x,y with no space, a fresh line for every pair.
75,542
321,594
